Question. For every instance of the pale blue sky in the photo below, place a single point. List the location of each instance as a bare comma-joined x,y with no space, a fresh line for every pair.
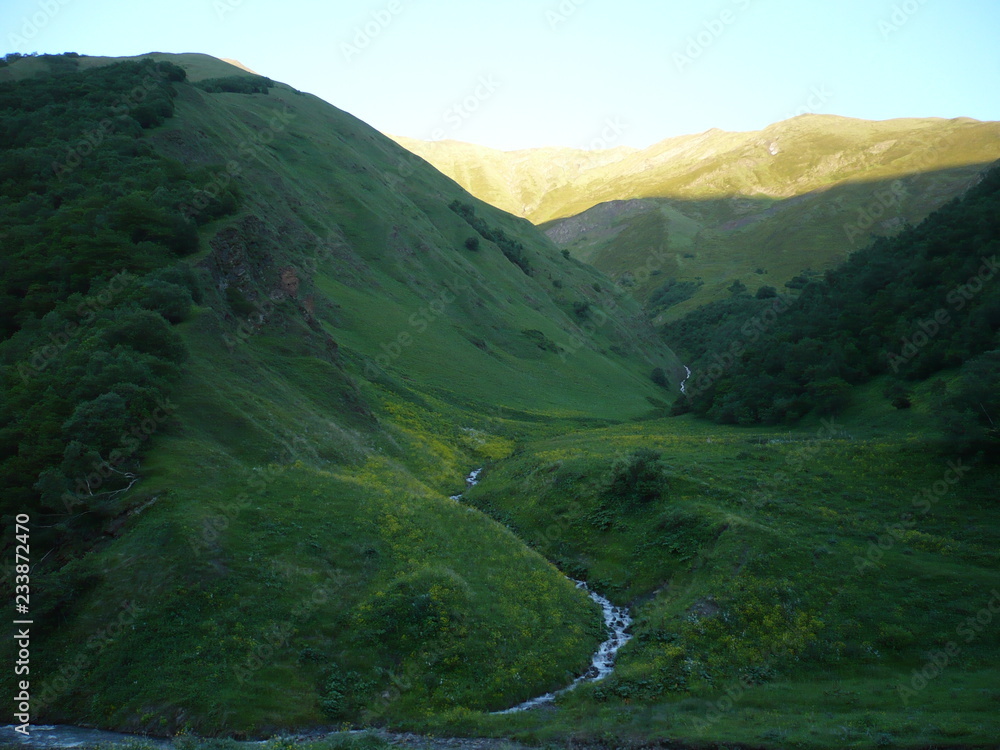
584,73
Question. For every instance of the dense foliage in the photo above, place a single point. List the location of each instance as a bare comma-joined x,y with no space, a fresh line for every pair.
672,292
512,249
908,306
91,282
236,85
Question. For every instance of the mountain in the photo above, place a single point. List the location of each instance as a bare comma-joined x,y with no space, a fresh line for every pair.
251,347
705,210
298,435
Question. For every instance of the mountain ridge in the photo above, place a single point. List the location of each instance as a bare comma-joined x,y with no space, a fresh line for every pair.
632,161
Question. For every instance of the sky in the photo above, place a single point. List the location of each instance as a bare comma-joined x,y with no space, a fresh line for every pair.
578,73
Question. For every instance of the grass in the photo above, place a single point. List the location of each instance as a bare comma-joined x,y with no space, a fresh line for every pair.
292,559
746,581
719,206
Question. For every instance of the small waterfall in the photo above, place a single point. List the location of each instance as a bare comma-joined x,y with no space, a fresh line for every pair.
686,378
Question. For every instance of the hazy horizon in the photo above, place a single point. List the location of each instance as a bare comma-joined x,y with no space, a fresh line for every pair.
574,73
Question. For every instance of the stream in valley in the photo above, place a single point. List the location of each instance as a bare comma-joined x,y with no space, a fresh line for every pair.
616,619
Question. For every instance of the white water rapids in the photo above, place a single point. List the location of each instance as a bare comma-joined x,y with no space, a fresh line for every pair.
616,619
686,378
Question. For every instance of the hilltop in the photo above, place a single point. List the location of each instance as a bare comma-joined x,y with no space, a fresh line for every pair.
705,210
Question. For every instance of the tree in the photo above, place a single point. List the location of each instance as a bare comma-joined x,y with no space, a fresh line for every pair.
660,377
637,478
767,292
472,244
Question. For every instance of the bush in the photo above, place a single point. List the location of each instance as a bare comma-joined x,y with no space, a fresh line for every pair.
637,478
660,378
236,85
472,244
767,292
171,301
672,292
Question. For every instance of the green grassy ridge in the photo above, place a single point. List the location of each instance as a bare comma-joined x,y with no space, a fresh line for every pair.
302,457
760,565
407,264
759,241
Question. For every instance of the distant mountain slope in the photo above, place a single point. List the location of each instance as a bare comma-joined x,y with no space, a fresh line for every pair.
715,207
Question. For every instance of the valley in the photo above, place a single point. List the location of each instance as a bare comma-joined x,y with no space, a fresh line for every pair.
334,334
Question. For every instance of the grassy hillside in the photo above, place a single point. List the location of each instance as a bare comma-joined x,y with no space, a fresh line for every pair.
787,586
712,208
316,336
288,554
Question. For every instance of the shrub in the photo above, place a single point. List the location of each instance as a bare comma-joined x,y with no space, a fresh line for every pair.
236,85
767,292
635,480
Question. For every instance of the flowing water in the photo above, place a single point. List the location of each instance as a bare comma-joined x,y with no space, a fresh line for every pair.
48,736
617,620
686,378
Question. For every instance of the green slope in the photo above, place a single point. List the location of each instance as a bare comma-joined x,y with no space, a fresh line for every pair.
290,556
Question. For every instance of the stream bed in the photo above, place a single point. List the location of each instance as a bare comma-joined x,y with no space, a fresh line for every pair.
616,619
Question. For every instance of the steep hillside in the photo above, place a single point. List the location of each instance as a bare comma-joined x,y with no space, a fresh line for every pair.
336,334
910,307
708,209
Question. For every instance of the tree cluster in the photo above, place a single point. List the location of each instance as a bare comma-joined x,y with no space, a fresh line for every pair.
923,301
